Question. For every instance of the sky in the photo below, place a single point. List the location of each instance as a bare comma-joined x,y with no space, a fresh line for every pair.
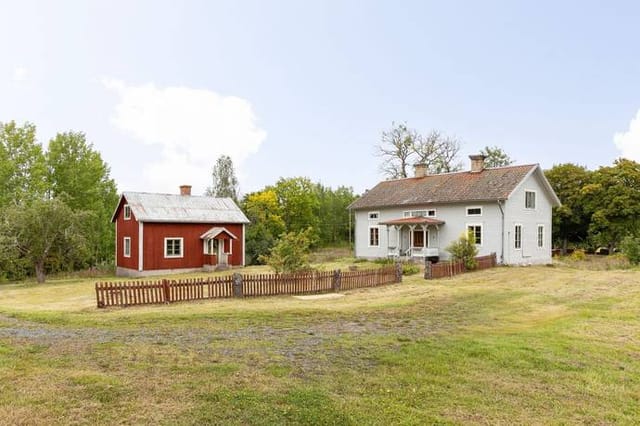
305,88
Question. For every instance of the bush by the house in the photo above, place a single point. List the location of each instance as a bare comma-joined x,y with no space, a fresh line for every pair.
464,249
410,268
291,252
631,248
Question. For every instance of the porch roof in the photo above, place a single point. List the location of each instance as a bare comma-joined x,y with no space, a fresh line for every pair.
418,220
215,231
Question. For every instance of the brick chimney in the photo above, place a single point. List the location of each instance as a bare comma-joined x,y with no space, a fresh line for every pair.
420,170
477,163
185,189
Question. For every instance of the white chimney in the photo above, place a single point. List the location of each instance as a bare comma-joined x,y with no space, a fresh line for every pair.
420,170
477,163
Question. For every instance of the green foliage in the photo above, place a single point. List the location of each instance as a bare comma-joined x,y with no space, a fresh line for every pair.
631,248
22,164
264,212
571,219
224,180
578,255
78,173
299,203
291,252
44,235
410,268
495,157
464,249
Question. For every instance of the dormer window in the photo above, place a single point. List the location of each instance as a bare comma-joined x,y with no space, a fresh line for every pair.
127,212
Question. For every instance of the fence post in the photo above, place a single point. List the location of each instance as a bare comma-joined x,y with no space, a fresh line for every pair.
166,291
428,274
398,272
237,285
337,280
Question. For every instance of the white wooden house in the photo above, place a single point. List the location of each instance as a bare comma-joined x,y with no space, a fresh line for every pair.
508,209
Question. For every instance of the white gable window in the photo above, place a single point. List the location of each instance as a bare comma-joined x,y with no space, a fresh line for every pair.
540,236
517,237
419,213
529,200
474,211
374,236
476,230
173,247
127,246
374,215
127,212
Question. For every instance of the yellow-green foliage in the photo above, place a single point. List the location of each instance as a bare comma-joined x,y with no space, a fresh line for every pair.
578,255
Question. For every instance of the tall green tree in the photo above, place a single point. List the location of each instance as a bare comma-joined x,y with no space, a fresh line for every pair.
299,202
22,164
613,200
570,220
333,227
224,180
78,173
495,157
42,235
264,212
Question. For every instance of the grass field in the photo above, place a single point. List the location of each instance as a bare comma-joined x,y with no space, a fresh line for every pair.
510,345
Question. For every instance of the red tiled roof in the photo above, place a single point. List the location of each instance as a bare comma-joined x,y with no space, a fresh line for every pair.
419,220
487,185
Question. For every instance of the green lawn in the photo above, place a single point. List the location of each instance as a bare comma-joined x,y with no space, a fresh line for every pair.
509,345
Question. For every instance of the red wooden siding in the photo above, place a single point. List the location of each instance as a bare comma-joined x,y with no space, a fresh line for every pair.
126,228
193,253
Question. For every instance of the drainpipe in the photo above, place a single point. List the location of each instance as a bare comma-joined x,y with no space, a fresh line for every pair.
502,234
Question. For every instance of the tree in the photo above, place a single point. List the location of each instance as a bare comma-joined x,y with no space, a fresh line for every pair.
464,249
495,157
77,172
291,252
402,147
570,220
299,203
264,212
613,200
22,165
225,183
45,233
333,228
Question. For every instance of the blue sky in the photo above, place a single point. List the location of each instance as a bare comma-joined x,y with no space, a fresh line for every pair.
305,88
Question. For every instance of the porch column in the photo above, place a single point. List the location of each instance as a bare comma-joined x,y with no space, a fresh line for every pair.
425,241
411,228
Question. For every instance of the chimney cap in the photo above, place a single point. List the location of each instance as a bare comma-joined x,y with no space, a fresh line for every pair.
477,157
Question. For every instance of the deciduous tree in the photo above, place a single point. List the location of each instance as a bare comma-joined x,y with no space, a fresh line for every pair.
224,180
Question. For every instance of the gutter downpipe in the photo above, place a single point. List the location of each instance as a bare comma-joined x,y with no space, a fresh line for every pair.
502,234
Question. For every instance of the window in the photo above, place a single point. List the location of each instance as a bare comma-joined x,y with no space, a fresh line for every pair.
418,238
211,246
540,236
173,247
374,215
517,237
420,213
474,211
476,230
529,199
374,237
127,212
127,247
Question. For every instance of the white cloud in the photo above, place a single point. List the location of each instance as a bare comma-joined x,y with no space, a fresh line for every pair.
189,128
20,74
629,142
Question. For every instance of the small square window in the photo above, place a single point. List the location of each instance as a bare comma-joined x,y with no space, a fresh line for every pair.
173,247
529,200
474,211
374,215
127,212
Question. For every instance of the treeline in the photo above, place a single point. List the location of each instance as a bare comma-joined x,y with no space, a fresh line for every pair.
295,205
600,208
55,204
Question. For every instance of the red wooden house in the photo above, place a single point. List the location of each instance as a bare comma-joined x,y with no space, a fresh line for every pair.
164,233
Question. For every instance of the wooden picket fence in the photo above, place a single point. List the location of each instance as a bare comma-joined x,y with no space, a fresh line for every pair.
168,291
451,268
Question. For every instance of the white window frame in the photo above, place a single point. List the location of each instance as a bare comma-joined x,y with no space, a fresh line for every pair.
481,232
412,213
535,196
369,236
127,212
205,247
372,214
174,256
473,214
540,235
125,252
517,242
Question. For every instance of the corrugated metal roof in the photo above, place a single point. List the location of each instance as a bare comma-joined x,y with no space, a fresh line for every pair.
489,184
215,231
148,207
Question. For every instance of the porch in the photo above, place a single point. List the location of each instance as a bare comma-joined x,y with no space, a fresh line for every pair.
413,237
217,248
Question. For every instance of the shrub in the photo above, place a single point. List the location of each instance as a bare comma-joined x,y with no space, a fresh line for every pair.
578,255
464,249
631,248
410,268
291,252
